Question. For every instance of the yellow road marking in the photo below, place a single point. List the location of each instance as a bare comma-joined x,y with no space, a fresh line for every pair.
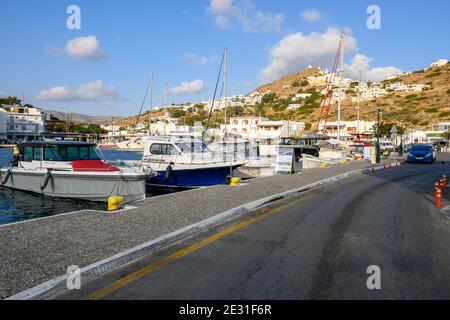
120,283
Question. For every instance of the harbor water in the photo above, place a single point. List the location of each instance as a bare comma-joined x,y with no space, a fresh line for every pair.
16,206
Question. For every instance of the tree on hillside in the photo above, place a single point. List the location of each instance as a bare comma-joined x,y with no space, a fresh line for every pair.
177,113
269,98
235,111
10,100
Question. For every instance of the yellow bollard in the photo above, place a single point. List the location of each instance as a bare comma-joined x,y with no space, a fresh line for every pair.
115,202
235,182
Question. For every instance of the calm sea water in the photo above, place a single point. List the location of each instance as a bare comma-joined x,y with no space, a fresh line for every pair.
19,206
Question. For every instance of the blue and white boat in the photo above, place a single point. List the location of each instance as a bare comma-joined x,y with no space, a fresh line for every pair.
185,163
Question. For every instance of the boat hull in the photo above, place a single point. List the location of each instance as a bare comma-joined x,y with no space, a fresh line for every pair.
191,178
91,186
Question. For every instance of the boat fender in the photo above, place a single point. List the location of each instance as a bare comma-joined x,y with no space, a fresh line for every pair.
47,177
169,171
6,177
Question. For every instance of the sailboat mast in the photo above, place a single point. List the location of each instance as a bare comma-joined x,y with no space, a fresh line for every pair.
151,106
225,77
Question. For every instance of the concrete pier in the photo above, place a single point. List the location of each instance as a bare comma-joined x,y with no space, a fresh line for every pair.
37,251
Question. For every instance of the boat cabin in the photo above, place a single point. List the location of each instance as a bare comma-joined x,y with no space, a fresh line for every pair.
59,155
160,147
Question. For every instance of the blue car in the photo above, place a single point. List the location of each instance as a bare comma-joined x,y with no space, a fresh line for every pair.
421,153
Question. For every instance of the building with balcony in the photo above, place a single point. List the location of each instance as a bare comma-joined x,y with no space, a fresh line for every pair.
260,128
24,123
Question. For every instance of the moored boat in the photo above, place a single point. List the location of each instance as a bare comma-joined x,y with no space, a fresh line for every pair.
185,163
70,169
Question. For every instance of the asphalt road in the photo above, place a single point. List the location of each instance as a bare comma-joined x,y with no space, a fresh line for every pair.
315,246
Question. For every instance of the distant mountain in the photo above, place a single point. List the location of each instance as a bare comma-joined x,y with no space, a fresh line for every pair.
82,118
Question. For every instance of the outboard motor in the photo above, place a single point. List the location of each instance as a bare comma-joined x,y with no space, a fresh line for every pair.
47,177
169,172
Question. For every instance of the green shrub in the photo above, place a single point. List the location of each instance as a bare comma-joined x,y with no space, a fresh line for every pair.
432,110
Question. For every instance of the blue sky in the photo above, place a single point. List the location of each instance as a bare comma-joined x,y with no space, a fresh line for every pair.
104,67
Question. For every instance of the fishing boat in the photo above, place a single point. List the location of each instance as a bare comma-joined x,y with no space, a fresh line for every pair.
70,169
185,163
331,152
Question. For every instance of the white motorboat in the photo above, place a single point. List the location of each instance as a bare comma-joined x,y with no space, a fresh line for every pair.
185,163
134,144
332,152
69,169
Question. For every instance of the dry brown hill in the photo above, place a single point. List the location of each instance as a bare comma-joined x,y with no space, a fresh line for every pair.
295,82
421,110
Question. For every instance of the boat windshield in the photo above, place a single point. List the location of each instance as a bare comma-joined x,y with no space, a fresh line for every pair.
64,153
193,147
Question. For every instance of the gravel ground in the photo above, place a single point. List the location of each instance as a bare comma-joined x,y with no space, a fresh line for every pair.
36,251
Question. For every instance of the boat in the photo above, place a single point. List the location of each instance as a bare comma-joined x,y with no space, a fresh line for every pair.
331,152
70,169
108,146
185,163
134,144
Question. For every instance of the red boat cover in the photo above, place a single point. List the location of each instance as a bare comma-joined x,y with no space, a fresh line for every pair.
93,166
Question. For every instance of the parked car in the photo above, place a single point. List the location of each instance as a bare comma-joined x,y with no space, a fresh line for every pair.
421,153
387,146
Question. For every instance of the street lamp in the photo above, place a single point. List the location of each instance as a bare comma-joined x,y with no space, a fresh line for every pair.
400,149
377,146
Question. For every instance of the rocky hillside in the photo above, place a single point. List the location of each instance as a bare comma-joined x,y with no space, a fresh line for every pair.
82,118
421,110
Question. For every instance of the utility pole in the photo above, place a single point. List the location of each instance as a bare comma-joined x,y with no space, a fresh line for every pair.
341,74
378,134
358,108
400,149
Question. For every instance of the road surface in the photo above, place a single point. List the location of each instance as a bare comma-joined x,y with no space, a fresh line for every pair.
314,246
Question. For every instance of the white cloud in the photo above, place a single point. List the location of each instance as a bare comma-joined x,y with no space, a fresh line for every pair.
85,48
93,91
244,12
186,88
199,60
311,15
361,63
296,51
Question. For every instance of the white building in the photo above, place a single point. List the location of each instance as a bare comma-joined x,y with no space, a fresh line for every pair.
372,92
398,86
257,128
348,128
439,63
25,123
294,106
300,96
444,126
